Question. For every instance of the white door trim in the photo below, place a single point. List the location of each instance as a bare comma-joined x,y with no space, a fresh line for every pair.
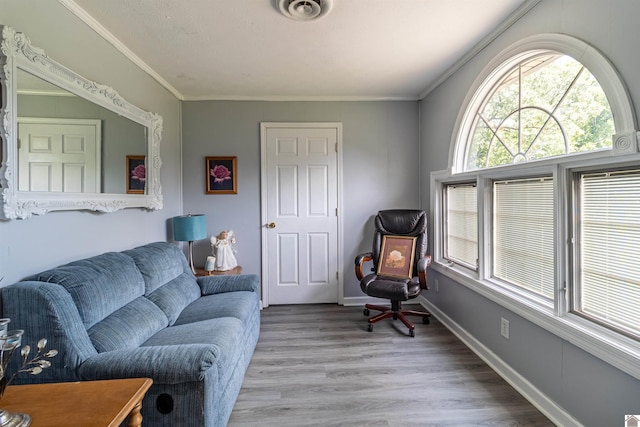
264,126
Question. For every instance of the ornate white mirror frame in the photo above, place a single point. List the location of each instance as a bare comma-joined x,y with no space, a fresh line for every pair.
17,52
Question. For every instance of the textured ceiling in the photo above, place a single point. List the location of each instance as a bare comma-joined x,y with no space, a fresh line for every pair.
245,49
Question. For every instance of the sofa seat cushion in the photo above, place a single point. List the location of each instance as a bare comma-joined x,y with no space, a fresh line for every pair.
128,327
241,305
224,336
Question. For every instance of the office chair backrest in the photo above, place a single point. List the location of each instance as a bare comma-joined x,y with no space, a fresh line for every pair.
401,222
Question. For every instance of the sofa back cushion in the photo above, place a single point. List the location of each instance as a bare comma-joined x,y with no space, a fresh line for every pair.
99,285
128,327
169,282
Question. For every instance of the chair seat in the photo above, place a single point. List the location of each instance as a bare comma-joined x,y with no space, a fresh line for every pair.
391,288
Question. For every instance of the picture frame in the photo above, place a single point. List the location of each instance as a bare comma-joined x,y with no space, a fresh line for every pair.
136,174
396,256
221,175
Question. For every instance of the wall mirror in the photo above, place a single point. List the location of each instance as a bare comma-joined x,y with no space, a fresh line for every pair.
69,143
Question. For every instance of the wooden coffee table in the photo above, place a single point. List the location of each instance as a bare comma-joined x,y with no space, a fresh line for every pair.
79,404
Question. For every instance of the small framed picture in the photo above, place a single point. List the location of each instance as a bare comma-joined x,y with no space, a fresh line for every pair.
222,175
136,174
396,256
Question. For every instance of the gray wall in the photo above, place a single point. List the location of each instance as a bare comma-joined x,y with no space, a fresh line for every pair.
594,392
380,155
29,246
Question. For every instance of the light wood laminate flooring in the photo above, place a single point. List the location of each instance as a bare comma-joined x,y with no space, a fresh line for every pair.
316,365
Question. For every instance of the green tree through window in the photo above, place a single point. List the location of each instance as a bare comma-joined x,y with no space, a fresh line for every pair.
547,105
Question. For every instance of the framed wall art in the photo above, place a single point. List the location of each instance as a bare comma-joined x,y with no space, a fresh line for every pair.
136,174
222,175
396,256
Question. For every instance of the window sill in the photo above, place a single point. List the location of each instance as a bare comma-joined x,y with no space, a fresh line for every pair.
616,349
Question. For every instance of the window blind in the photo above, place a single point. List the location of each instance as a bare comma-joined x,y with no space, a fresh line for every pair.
523,245
461,234
609,270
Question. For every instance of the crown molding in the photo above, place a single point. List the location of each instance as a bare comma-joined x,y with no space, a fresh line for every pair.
115,42
302,98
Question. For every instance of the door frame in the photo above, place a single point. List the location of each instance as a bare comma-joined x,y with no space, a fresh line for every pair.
264,126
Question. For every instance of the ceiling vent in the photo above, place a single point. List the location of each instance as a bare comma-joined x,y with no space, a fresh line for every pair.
304,10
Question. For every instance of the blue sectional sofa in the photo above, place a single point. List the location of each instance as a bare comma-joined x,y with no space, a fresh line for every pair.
142,313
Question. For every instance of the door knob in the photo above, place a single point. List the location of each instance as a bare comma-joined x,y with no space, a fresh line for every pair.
271,225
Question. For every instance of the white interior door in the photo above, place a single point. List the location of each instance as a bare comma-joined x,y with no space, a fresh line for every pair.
300,213
59,155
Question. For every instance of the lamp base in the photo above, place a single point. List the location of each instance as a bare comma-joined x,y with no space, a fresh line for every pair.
193,270
9,419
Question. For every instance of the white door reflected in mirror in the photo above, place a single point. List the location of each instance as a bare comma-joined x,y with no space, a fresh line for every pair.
59,155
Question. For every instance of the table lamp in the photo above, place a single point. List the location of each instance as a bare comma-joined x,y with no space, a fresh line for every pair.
188,228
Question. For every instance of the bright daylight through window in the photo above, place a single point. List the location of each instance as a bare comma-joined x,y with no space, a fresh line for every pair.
539,210
548,105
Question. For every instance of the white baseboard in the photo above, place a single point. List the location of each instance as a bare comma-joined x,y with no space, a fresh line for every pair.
544,404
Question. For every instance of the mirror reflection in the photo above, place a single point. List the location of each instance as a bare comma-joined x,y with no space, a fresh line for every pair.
67,143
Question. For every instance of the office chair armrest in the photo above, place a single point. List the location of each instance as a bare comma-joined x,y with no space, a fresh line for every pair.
360,260
423,264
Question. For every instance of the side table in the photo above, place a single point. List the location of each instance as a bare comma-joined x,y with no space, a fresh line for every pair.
202,272
79,404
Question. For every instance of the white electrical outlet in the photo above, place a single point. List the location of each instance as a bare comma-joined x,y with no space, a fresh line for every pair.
504,327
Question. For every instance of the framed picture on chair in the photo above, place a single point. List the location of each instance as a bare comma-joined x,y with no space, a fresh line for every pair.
396,256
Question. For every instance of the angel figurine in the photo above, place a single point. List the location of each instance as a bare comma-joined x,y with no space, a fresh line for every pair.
221,248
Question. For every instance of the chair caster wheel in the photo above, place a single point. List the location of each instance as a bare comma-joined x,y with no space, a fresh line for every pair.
366,312
426,320
412,333
370,327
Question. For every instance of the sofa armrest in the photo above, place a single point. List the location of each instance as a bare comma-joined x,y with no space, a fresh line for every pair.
164,364
232,283
47,310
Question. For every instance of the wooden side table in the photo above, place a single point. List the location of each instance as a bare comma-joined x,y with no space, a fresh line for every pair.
79,404
202,272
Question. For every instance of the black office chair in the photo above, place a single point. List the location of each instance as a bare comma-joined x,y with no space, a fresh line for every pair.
396,226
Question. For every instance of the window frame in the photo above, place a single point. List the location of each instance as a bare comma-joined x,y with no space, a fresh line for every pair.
610,346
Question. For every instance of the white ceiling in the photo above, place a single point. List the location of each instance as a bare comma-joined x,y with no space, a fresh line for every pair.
245,49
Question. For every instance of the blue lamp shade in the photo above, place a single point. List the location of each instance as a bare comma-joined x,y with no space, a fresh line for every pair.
188,228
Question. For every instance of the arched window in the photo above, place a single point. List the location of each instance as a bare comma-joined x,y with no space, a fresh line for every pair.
545,105
537,101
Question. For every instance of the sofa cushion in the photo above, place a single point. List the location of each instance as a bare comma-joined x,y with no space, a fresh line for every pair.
128,327
169,282
99,285
225,336
241,305
159,263
174,296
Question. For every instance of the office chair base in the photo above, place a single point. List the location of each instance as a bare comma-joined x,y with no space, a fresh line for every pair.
396,312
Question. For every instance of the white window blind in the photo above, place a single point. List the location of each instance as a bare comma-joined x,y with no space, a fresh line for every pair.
609,273
461,234
523,245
